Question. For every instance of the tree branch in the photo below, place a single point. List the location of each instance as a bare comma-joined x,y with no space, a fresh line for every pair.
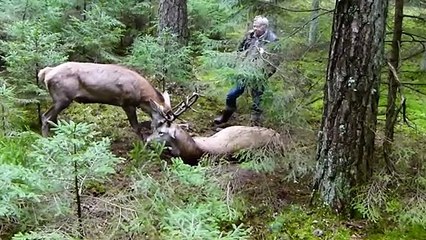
413,35
415,90
415,53
403,101
299,10
306,23
415,84
314,101
415,17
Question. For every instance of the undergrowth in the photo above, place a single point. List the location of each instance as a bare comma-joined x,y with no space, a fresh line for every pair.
298,222
395,203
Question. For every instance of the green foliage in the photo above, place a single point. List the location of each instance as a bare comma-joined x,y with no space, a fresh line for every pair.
42,235
106,119
179,212
31,45
260,160
400,233
396,206
10,116
37,183
73,145
294,222
210,24
14,148
220,64
96,36
284,108
17,10
179,201
143,153
414,212
122,8
373,197
236,67
161,57
19,185
399,200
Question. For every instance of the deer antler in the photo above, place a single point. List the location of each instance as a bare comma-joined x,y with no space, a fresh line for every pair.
182,107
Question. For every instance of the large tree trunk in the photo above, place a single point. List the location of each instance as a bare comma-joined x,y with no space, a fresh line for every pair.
351,94
173,15
393,85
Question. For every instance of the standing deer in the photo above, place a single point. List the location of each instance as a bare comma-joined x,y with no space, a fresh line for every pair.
102,83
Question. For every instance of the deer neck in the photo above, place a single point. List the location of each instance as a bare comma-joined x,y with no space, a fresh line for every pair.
189,150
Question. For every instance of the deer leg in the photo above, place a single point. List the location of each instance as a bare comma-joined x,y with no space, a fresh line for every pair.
133,118
44,123
52,115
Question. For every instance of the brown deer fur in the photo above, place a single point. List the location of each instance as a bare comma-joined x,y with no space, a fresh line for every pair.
101,83
225,142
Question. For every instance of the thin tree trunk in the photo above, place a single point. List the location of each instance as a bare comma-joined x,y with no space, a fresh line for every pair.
313,29
391,113
351,94
423,63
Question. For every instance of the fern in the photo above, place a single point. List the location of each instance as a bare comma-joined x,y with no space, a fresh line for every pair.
372,198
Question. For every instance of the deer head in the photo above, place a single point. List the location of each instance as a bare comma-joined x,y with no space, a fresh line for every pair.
160,116
166,131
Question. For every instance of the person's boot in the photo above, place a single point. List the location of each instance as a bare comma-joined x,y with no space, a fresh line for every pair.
226,115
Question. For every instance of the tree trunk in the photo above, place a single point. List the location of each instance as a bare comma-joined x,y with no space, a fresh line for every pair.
313,29
391,113
423,63
173,16
351,94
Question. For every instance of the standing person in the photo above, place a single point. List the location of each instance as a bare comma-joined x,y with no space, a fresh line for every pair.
251,47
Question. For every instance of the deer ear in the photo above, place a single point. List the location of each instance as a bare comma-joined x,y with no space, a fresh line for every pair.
167,99
172,132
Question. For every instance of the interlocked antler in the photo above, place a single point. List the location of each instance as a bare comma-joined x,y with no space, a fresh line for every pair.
182,107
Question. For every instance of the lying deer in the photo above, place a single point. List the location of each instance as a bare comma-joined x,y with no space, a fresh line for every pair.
102,83
225,142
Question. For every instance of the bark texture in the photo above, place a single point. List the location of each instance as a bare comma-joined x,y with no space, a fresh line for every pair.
173,16
346,138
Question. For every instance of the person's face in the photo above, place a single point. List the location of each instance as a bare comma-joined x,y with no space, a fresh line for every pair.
259,29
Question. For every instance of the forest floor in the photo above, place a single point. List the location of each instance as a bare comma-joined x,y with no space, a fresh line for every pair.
266,194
